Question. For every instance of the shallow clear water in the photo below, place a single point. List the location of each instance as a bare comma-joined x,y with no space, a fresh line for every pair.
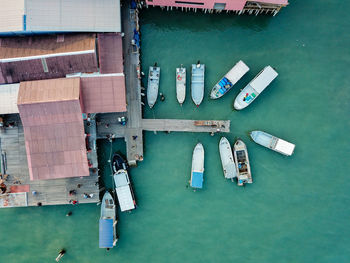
297,209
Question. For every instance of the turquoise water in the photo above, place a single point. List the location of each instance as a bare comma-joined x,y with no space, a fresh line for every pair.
297,209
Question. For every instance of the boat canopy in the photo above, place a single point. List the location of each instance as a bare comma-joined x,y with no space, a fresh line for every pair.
121,179
284,147
197,179
263,79
106,237
237,72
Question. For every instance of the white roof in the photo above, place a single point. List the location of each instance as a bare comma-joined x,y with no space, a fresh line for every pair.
8,98
11,15
263,79
121,179
237,72
61,16
284,147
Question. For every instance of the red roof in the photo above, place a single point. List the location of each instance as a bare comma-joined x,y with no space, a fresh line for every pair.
104,93
110,52
53,128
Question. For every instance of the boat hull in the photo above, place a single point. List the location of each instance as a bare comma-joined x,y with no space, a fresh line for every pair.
197,83
227,160
153,85
242,163
197,170
181,84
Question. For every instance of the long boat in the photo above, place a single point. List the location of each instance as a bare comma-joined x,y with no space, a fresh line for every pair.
227,161
272,142
254,88
240,153
181,84
107,224
153,85
197,170
197,83
124,191
230,79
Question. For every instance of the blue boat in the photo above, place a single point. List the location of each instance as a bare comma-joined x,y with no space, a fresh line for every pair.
197,170
229,80
107,224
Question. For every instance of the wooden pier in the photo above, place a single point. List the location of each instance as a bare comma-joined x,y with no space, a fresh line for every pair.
182,126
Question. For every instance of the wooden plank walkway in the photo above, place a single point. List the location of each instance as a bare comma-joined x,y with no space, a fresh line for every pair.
181,126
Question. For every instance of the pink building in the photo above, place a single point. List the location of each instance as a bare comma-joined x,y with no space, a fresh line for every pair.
219,5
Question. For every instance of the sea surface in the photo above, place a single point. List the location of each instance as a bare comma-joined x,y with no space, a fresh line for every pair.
297,209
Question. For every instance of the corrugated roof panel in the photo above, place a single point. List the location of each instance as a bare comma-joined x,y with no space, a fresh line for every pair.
110,51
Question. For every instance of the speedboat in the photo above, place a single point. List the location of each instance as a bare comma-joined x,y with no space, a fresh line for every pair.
197,170
227,161
181,84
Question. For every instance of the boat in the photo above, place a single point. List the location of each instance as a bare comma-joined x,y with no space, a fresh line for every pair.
213,124
181,84
153,85
272,142
197,170
227,161
107,224
197,83
118,163
124,191
230,79
240,154
254,88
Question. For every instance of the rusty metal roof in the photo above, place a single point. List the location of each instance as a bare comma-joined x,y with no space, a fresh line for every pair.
110,51
104,93
51,115
29,46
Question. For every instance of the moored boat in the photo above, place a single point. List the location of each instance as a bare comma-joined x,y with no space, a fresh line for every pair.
254,88
124,191
197,83
107,224
240,153
181,84
153,85
227,161
197,170
230,79
272,142
118,163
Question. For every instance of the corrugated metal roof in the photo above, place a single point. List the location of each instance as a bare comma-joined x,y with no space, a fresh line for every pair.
11,15
51,90
8,98
110,52
103,93
29,46
53,129
106,233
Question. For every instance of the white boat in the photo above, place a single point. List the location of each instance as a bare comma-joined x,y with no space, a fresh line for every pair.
153,85
124,191
197,83
197,170
181,84
230,79
240,153
254,88
107,224
272,142
227,161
